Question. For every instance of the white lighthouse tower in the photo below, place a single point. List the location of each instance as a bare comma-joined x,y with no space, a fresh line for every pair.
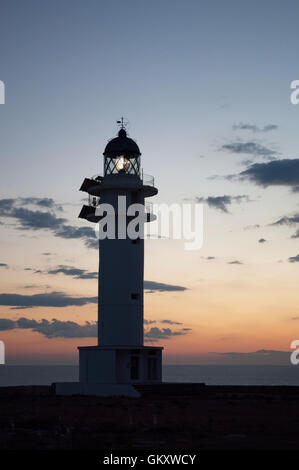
119,360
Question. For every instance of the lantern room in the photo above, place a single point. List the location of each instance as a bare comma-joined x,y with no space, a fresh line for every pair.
122,155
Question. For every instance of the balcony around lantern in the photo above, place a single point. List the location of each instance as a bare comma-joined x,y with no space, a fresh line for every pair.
148,180
90,183
145,180
88,210
98,177
96,183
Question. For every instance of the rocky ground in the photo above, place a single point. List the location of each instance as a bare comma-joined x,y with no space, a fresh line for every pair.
213,418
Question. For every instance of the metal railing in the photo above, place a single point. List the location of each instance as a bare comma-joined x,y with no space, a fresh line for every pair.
93,201
148,180
97,177
148,207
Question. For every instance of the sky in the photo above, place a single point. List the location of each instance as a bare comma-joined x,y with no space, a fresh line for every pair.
205,86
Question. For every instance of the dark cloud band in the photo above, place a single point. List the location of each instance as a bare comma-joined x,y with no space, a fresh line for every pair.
36,219
274,173
51,299
221,203
68,329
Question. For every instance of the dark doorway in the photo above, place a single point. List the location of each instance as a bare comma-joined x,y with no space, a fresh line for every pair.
152,368
134,367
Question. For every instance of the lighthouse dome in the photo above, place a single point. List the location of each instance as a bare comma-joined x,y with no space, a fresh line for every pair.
122,145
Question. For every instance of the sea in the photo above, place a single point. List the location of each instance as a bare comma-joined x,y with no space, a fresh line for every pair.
13,375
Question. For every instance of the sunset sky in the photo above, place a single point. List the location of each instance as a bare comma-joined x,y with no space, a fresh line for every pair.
205,86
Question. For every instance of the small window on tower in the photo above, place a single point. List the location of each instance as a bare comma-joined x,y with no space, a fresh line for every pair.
135,296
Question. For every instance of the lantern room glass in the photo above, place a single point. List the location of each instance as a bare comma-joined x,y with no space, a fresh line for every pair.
122,164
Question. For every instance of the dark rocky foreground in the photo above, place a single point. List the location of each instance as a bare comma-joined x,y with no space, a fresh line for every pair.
173,416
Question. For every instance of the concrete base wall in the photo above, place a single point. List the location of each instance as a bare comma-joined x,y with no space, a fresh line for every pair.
97,365
109,364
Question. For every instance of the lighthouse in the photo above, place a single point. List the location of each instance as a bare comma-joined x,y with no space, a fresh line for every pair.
120,360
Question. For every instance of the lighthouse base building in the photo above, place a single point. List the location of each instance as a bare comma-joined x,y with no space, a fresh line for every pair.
120,361
113,371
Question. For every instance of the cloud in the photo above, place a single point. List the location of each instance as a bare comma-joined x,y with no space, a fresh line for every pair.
149,322
7,204
28,219
51,299
247,162
87,234
252,127
152,286
34,286
154,333
235,262
92,243
250,148
252,227
69,231
3,265
41,202
274,173
20,307
259,357
53,328
294,259
76,273
262,240
170,322
6,324
36,220
221,202
287,220
68,329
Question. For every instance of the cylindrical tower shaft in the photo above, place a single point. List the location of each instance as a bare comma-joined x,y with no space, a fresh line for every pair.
120,308
121,259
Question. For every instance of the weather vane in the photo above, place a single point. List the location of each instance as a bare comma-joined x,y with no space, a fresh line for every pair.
122,123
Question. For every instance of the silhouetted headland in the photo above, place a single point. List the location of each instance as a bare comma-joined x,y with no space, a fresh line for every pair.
167,415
